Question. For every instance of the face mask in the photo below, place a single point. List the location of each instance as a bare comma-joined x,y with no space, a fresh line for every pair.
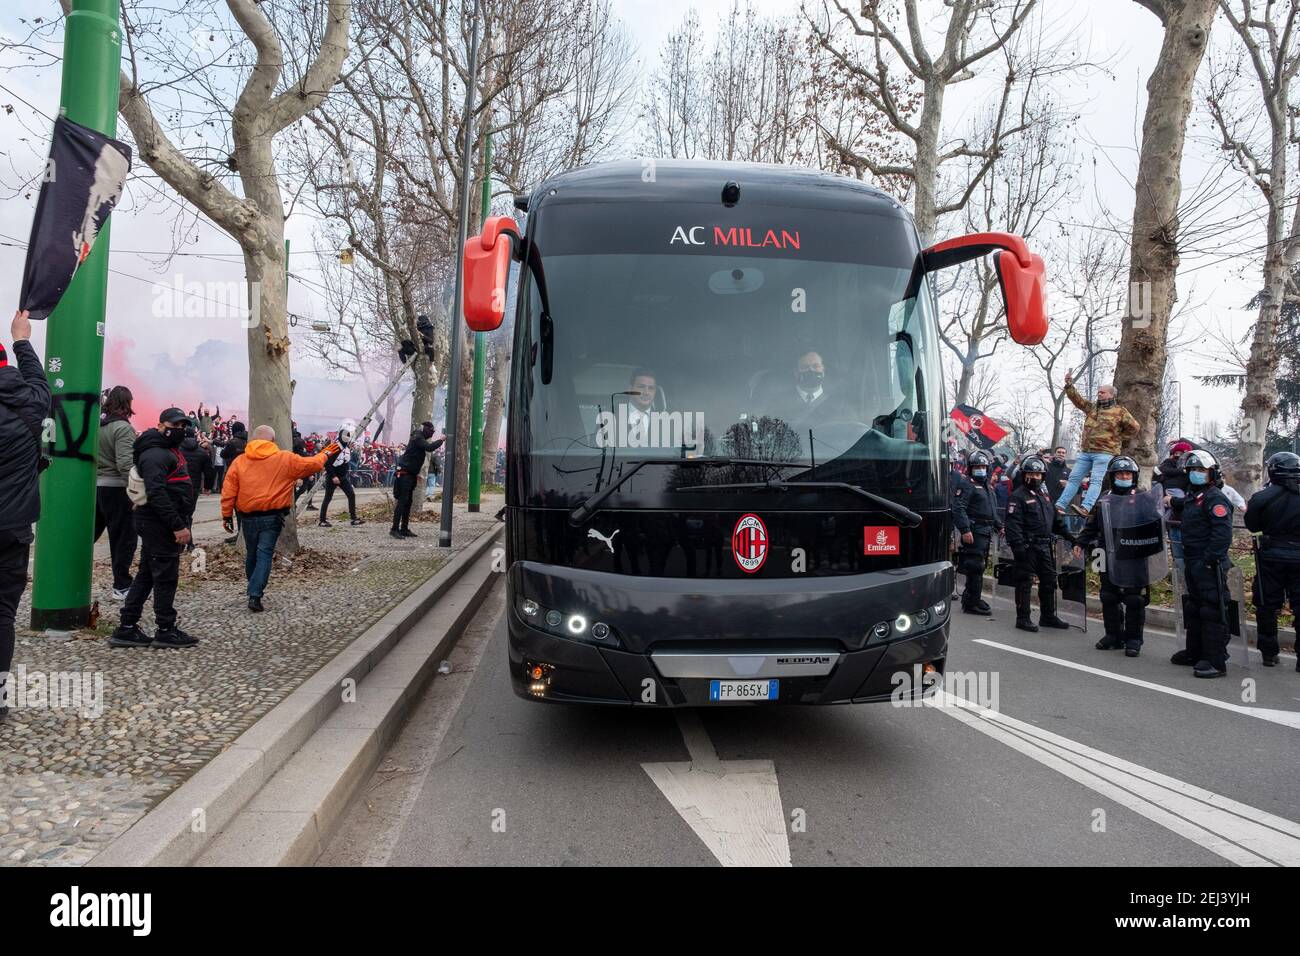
1198,478
173,436
1123,482
1031,481
810,380
979,472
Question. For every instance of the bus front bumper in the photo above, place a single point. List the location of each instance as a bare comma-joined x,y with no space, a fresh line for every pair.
810,654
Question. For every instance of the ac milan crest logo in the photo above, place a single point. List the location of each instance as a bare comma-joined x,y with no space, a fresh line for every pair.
749,543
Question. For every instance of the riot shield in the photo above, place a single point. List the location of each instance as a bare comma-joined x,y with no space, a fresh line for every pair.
1071,584
1004,574
1134,539
1236,612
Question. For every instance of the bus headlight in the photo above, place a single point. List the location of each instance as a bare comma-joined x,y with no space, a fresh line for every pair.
529,608
902,624
577,624
553,618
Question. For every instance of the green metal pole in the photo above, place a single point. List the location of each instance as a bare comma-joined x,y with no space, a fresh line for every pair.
480,363
74,347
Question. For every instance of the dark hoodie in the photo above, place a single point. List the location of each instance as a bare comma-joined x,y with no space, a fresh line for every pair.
166,481
197,462
235,447
24,405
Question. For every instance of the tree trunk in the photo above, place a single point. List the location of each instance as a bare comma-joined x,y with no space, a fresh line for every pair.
464,393
1153,263
422,409
927,162
500,383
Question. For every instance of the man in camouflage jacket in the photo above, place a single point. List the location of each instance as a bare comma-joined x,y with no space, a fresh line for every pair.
1106,426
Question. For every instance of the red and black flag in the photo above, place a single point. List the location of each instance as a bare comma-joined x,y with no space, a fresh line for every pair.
83,182
977,426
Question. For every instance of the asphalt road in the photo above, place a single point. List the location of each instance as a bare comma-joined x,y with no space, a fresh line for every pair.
1079,757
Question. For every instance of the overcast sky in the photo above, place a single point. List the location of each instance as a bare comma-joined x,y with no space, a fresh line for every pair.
1116,32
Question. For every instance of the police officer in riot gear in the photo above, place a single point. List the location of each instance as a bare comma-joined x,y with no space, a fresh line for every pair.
975,513
1031,521
1274,514
1206,515
1123,608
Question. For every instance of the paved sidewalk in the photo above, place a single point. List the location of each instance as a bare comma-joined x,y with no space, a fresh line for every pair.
73,777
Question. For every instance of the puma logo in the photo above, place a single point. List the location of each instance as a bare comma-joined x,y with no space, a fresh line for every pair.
609,542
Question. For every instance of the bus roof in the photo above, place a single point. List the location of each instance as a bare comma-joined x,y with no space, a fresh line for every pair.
701,181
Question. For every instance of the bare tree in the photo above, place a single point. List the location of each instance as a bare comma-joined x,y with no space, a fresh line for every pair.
898,63
1030,179
282,69
1267,32
1153,251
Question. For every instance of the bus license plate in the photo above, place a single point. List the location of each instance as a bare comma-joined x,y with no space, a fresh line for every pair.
729,690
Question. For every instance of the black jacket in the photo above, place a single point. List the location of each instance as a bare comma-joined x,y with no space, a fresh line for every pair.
1057,476
974,506
1169,475
412,459
197,462
1275,512
1031,519
234,448
1206,516
166,482
24,406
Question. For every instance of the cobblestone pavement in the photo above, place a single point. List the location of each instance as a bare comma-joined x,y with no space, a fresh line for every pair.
75,776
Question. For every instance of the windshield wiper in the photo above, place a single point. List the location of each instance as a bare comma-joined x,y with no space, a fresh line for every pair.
591,505
892,508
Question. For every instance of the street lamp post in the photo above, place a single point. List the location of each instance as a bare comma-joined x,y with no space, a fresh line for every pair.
458,308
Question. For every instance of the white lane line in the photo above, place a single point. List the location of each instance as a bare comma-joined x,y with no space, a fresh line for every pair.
733,806
1288,718
1235,831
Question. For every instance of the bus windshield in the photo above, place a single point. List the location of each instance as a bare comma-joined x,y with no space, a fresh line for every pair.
745,349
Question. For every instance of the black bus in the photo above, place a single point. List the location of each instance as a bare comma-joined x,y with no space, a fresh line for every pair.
727,478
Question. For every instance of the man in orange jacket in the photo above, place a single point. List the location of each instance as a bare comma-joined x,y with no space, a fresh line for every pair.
259,485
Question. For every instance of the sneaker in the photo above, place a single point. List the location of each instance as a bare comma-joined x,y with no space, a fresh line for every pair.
357,521
119,594
396,533
232,539
323,524
132,636
173,637
1080,510
1053,622
310,507
1206,669
1183,658
975,609
1132,650
1109,643
255,604
983,605
1270,661
1024,624
408,533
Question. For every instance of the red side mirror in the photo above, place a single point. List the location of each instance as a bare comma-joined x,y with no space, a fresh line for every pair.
1024,290
1021,275
487,271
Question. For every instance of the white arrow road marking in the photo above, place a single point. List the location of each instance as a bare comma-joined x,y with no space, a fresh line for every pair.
1288,718
1237,832
734,806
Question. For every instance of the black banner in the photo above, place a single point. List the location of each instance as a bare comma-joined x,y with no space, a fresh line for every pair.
83,182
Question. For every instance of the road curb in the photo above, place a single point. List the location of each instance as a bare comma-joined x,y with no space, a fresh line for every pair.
186,822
